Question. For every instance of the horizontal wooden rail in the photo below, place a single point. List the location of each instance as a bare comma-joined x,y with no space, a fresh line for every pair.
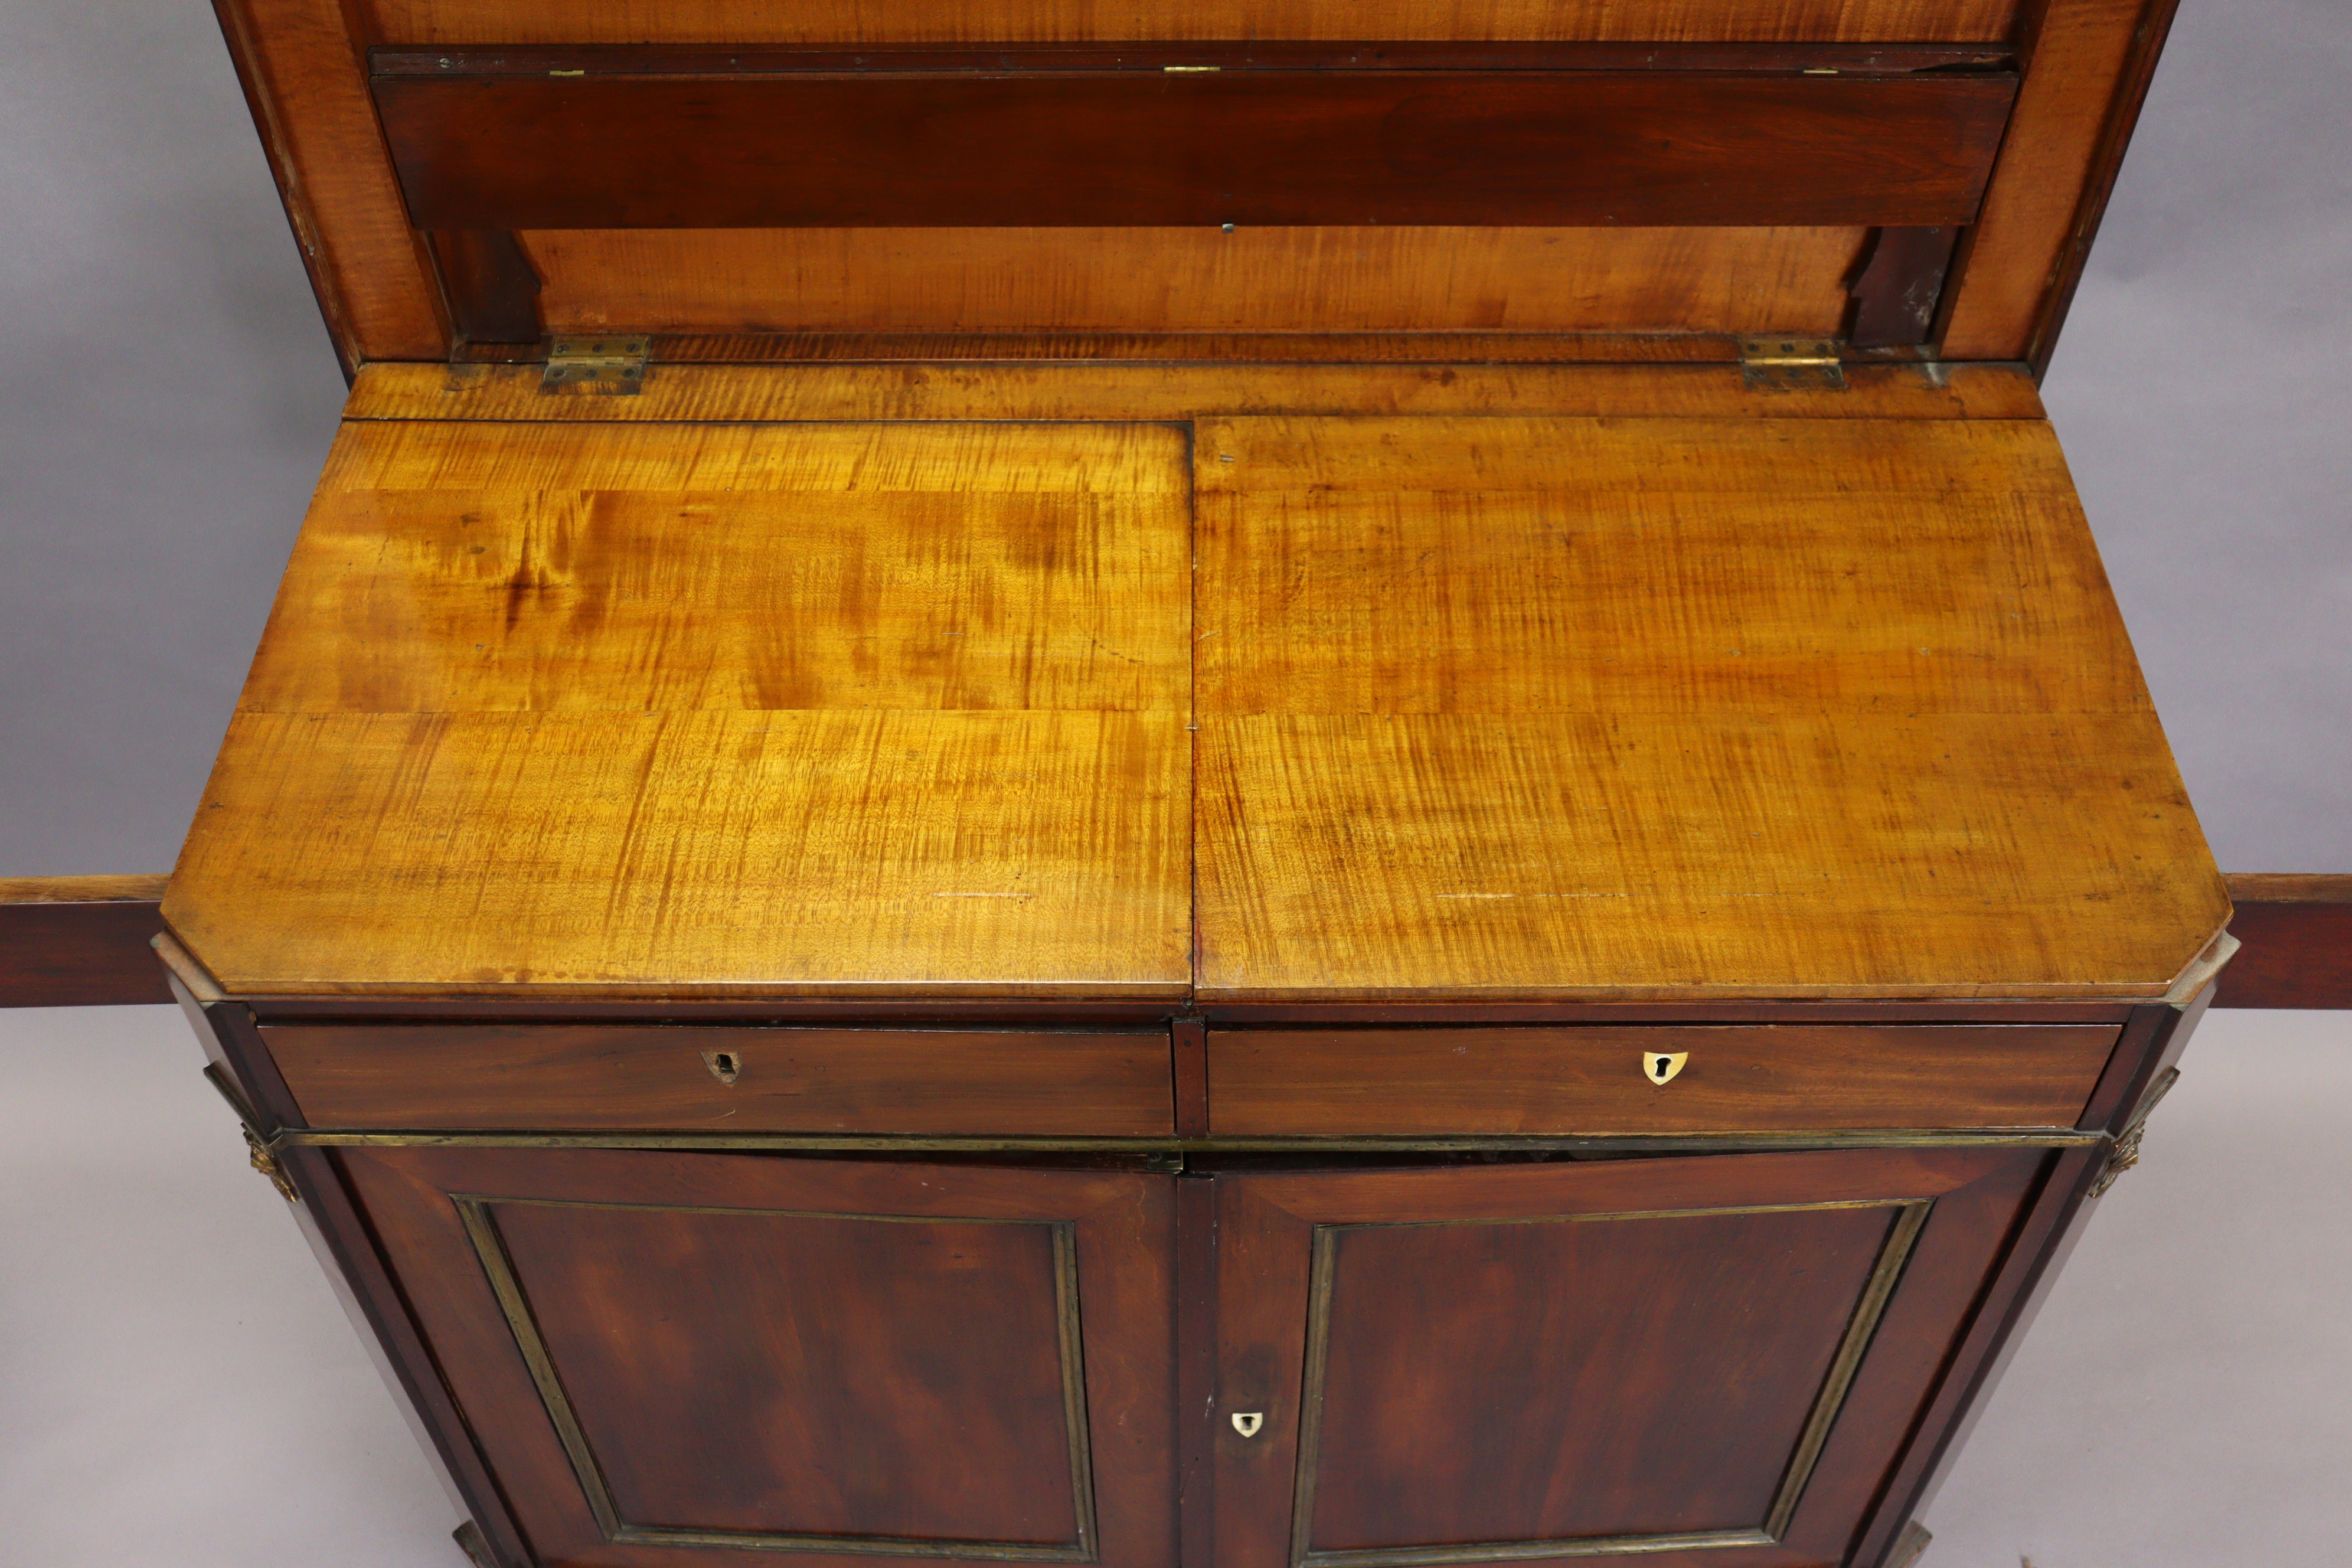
594,147
80,941
2297,932
1237,54
74,942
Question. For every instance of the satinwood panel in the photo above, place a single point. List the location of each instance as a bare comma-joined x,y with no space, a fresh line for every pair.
668,1360
1516,708
1198,279
1462,384
1679,1361
813,709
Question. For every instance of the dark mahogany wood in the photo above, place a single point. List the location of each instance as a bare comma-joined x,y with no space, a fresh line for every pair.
2297,933
330,1222
1653,1326
779,1352
1262,1014
1895,293
880,1377
1545,1382
1277,53
1189,1042
81,941
1009,1083
1196,1371
491,289
1214,147
1560,1081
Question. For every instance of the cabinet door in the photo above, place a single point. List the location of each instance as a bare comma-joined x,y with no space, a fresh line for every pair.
1713,1361
669,1360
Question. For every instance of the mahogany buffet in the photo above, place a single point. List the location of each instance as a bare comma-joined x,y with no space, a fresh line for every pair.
1293,787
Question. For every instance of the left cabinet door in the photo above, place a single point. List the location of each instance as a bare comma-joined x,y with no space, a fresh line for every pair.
668,1359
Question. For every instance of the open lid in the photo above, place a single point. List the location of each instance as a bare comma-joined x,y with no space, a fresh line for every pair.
1915,176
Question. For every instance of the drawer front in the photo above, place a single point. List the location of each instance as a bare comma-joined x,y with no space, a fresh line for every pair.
1536,1081
942,1082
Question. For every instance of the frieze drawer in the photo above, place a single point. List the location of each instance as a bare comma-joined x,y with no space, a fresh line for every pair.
916,1083
1536,1081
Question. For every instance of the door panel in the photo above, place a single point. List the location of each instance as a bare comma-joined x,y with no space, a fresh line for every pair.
671,1359
1709,1360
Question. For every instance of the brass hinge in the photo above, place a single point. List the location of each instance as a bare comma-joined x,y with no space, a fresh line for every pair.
611,366
1791,363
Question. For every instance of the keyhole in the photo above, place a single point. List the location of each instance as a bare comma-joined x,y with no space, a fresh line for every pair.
1659,1071
724,1065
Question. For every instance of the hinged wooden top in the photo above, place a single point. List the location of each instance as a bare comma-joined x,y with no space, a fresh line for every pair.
1094,681
1912,176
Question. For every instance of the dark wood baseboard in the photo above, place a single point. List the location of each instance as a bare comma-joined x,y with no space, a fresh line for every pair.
81,942
2298,935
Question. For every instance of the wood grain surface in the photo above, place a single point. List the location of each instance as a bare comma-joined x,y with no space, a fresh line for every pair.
1002,1082
1531,1081
714,392
1446,1243
306,85
2297,932
1660,1371
1619,707
80,941
1261,148
821,709
1050,21
773,1373
667,1286
2079,67
1884,735
1194,279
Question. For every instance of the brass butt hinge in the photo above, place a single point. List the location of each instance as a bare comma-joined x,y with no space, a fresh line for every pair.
1791,363
606,365
2127,1142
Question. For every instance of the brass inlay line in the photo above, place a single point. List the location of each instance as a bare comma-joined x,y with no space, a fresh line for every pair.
1886,1272
1642,1143
1875,1294
481,1228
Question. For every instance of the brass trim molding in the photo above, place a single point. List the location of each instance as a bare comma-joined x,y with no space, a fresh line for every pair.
1877,1292
490,1246
1626,1142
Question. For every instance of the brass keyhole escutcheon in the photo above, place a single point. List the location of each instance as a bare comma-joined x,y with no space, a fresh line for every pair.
1660,1066
725,1065
1247,1422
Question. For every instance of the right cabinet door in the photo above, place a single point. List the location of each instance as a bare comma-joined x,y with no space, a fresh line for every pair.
1714,1360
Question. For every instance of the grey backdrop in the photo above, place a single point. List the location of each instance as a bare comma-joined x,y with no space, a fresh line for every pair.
167,395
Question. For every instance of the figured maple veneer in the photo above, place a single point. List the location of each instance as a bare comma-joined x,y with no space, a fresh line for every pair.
1005,1082
1564,1082
1197,279
813,709
1519,708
